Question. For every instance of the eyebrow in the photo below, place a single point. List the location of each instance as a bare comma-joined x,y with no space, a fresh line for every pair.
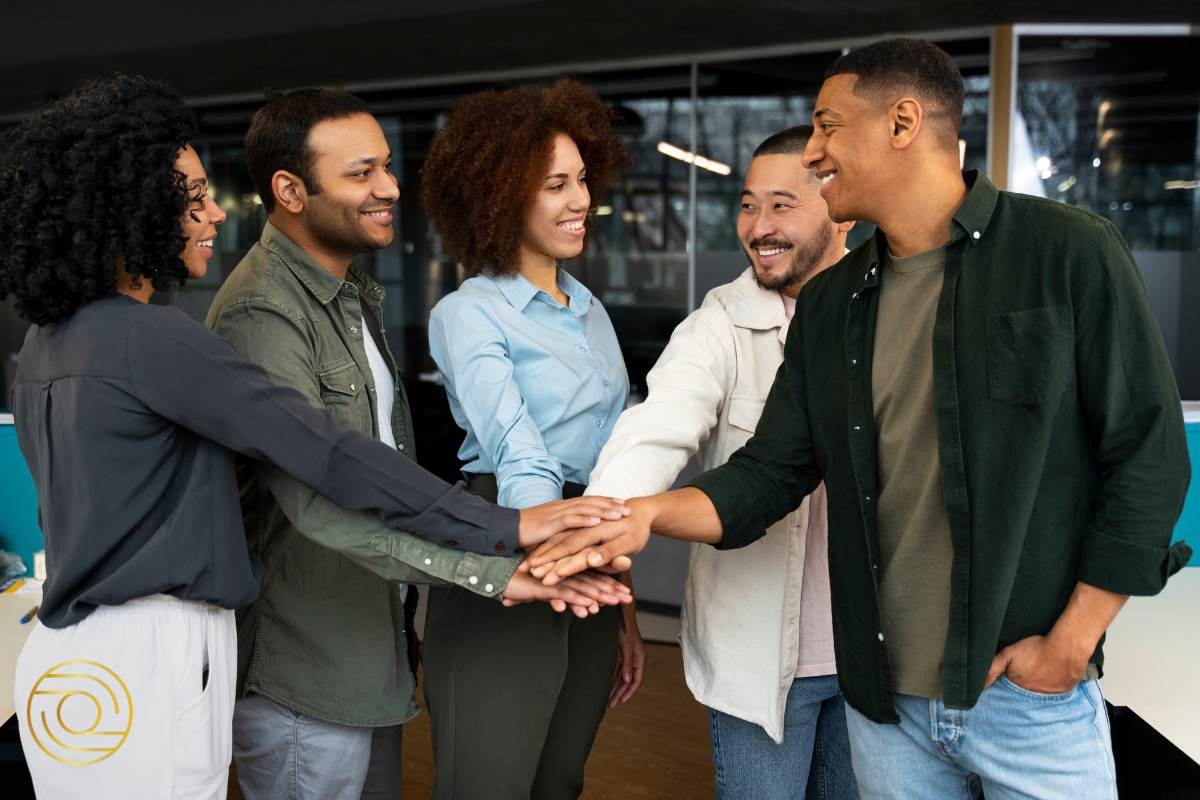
368,161
824,112
562,176
773,193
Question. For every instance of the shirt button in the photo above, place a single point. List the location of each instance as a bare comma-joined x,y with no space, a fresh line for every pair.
428,561
975,235
500,548
854,295
853,362
400,447
583,348
354,329
488,587
472,580
867,499
353,388
881,637
858,427
873,270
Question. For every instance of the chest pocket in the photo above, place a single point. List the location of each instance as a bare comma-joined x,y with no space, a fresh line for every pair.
1030,355
343,393
743,419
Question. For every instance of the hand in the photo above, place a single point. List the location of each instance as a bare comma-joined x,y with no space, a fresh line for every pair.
539,523
584,594
1045,664
606,546
631,660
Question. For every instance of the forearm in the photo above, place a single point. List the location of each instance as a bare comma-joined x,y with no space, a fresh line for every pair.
687,514
391,554
1087,616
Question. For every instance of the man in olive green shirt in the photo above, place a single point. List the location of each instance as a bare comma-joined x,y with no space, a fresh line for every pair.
985,391
324,652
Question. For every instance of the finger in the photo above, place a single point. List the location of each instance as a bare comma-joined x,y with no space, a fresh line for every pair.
565,545
566,567
558,605
523,566
597,505
603,583
581,611
608,552
999,665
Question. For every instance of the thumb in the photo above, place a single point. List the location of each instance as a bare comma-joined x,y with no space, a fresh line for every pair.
998,668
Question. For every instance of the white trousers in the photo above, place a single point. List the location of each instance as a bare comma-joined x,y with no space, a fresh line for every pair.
133,703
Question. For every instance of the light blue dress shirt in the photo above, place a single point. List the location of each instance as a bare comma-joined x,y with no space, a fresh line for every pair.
536,385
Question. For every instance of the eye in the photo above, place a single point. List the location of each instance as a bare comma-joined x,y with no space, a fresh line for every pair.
556,187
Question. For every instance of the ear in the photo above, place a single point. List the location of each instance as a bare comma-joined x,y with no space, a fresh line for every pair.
290,192
906,117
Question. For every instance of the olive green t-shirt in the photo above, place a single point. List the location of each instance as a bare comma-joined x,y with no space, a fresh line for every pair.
914,531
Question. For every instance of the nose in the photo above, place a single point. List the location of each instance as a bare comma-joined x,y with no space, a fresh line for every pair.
216,214
580,199
387,187
764,225
814,151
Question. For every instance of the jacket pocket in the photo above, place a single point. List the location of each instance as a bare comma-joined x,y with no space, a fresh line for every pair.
743,417
342,391
1030,355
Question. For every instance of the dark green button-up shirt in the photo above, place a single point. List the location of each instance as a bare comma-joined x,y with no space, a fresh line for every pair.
1060,435
326,635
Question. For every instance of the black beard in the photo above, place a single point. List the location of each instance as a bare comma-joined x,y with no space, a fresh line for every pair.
805,259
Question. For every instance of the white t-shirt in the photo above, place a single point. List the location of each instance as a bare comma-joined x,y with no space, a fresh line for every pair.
385,398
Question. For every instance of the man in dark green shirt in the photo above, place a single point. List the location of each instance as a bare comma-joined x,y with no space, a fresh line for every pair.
1008,343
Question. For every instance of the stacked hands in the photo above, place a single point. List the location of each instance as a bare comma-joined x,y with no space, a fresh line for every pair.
574,543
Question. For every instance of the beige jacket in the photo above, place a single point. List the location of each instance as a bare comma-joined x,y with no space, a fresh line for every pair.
741,609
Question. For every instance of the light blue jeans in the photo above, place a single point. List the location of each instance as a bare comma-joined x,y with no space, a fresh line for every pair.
1013,744
813,762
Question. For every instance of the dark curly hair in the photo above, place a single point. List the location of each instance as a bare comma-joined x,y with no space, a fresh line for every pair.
85,181
484,167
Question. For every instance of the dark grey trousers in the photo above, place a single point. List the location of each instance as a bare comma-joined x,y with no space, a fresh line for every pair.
516,695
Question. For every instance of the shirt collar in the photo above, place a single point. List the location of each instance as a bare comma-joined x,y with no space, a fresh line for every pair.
320,283
970,222
518,291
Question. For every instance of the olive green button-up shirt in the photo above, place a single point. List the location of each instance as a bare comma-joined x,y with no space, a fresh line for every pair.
326,635
1060,435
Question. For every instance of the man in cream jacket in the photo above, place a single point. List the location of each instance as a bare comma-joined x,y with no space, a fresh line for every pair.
756,629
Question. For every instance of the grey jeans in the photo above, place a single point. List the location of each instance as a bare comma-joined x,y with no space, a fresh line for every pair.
283,755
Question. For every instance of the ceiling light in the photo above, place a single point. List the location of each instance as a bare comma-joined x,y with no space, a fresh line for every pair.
688,157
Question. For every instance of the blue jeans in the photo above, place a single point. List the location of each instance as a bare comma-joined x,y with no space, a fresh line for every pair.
812,762
1013,744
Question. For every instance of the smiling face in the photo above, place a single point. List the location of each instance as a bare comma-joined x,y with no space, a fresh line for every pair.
848,151
351,211
554,221
201,219
783,223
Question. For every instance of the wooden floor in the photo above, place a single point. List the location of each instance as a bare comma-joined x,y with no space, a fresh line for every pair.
655,747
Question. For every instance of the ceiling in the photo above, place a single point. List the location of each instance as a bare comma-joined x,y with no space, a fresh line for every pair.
227,50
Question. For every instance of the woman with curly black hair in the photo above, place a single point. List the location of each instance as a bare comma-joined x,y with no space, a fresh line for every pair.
536,379
129,416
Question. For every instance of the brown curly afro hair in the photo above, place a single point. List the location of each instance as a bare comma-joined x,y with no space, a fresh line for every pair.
485,166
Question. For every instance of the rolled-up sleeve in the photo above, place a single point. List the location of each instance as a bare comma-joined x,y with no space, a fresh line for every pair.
1132,407
319,472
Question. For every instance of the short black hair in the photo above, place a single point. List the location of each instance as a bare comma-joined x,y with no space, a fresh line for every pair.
891,67
85,182
787,142
278,135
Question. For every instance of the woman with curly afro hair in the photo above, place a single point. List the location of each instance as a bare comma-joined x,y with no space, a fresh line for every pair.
536,379
129,416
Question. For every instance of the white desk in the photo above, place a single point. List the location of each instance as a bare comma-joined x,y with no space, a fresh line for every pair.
12,638
1152,660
